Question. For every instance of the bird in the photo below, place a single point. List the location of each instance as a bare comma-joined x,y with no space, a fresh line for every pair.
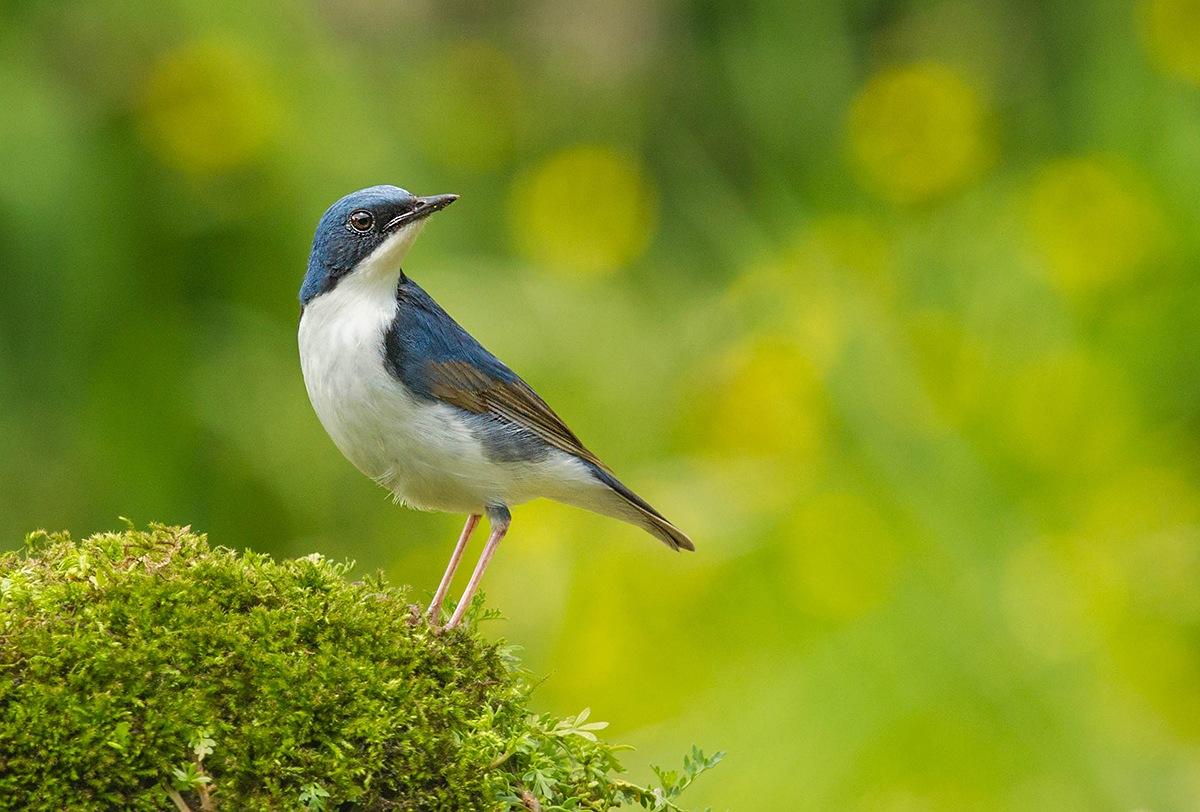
419,406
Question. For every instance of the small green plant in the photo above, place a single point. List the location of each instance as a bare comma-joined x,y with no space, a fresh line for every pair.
146,670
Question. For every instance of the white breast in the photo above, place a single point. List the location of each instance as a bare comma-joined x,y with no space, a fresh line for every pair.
423,452
341,355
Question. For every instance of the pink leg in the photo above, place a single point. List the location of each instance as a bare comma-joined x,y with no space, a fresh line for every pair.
435,606
499,519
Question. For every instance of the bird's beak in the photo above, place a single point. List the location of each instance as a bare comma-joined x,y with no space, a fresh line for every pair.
422,208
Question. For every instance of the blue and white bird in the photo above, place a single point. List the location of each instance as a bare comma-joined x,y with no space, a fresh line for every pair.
419,406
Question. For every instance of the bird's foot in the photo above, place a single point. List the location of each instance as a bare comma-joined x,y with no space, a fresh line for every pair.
433,616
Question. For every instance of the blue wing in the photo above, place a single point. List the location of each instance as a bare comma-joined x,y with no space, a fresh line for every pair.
437,359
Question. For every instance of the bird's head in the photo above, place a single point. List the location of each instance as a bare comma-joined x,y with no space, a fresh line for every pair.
368,231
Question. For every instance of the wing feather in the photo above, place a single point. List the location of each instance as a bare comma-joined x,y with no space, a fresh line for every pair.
470,388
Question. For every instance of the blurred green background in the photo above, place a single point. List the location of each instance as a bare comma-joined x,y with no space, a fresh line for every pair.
892,306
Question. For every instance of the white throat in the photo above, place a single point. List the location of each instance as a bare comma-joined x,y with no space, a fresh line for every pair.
381,268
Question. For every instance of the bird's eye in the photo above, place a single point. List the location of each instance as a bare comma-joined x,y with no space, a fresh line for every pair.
362,220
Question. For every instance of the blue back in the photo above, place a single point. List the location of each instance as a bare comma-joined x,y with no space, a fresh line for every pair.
423,333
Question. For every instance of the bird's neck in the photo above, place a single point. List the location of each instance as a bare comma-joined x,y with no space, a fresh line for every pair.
381,272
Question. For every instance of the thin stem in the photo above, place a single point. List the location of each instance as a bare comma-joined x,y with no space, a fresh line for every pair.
180,804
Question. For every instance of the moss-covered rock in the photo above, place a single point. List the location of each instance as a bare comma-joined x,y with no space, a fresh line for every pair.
148,670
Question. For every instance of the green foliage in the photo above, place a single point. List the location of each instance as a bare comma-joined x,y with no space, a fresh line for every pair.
141,670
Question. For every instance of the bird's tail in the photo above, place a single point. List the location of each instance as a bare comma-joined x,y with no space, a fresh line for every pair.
624,504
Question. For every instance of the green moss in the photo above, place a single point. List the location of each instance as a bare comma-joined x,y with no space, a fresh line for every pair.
148,670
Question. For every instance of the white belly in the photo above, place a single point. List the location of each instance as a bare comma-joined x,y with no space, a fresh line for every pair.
423,452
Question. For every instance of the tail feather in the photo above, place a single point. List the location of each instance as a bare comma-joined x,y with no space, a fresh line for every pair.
669,534
640,512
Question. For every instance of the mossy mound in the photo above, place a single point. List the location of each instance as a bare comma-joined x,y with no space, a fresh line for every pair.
148,670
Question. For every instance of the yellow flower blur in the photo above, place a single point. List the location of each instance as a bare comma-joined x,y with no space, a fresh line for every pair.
206,109
584,210
1093,223
1067,413
1171,31
916,133
767,401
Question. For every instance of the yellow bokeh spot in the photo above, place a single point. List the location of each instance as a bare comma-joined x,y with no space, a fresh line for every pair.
1171,31
206,108
464,106
585,210
808,289
1068,413
820,327
846,557
766,400
916,133
1147,521
1043,603
1093,222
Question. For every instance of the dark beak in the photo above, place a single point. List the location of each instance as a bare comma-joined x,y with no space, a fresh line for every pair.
422,208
